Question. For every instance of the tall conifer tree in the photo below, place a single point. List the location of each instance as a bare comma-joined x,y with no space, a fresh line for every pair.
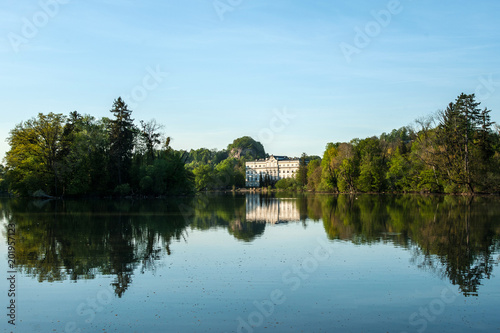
122,132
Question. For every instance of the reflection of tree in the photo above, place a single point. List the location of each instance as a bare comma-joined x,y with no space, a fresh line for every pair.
223,211
37,245
461,244
246,231
451,236
360,219
76,240
121,254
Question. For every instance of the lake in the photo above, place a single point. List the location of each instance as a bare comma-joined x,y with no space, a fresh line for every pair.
252,263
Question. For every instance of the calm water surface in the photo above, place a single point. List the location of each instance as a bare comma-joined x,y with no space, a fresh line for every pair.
251,263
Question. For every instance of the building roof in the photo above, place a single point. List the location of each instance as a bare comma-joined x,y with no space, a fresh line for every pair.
276,157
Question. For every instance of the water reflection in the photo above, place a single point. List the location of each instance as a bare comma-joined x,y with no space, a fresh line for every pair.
79,240
453,237
456,238
207,212
266,209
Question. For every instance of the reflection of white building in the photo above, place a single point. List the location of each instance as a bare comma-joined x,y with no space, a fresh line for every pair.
276,167
271,210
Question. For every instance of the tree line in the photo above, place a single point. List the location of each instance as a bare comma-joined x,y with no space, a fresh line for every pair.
54,155
223,169
456,150
75,155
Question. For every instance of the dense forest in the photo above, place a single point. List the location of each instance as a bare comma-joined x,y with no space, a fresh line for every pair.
457,150
79,155
57,155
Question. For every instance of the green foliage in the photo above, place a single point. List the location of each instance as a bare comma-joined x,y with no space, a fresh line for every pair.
246,147
398,173
204,177
37,152
314,172
146,184
149,137
348,165
290,184
372,166
230,173
121,135
206,156
328,169
302,172
166,174
123,190
86,162
216,170
456,152
266,181
79,155
4,185
225,175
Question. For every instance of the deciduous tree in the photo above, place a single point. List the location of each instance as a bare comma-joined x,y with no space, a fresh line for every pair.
34,160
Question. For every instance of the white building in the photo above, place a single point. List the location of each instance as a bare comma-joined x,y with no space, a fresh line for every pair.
276,167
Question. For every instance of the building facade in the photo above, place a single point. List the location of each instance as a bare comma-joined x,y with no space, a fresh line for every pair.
275,167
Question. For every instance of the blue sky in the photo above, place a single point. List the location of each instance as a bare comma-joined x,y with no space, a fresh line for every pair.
211,71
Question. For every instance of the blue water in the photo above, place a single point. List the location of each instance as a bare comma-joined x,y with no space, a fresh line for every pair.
288,277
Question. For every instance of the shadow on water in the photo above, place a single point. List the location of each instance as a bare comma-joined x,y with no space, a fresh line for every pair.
453,237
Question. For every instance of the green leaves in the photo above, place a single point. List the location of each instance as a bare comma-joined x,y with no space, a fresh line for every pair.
79,155
455,152
246,147
121,133
35,159
463,139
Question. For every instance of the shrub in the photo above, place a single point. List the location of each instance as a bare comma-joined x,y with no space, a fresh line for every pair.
123,190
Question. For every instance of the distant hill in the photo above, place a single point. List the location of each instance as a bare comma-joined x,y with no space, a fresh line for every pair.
246,147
